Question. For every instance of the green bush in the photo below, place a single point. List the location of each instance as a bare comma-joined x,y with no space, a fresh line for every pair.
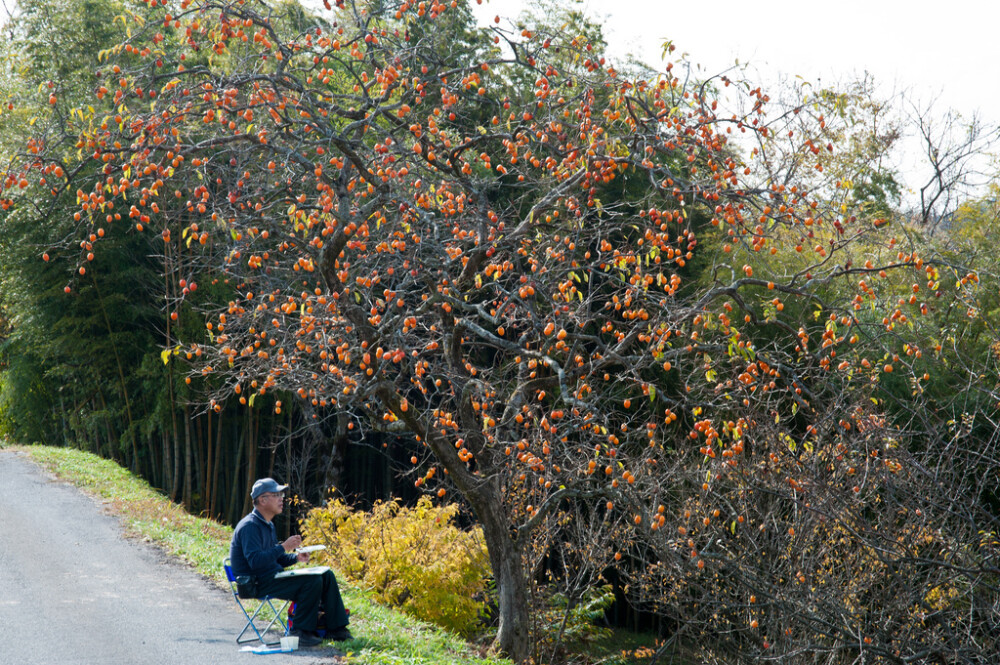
412,558
574,623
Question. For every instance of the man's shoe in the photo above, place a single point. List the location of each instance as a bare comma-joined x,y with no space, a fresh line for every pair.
307,638
341,634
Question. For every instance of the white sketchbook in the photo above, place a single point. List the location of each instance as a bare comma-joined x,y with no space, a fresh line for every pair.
295,572
309,548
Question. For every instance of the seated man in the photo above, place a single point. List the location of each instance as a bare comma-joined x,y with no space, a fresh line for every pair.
256,552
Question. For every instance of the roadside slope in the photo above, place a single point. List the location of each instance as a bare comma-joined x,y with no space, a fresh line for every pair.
76,591
382,635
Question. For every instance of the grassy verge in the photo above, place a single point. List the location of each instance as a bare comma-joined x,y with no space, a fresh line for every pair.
383,636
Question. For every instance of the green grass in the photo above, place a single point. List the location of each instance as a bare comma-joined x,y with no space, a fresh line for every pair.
383,636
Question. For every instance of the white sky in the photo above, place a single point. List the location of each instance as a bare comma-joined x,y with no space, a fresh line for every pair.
946,52
949,48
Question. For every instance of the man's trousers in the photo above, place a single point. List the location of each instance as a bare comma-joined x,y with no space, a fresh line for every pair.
309,593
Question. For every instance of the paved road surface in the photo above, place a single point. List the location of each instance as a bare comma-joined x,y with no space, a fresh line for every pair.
73,590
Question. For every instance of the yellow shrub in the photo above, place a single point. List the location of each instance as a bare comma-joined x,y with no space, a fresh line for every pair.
412,558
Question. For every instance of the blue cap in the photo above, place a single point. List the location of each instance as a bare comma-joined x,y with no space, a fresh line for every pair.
265,485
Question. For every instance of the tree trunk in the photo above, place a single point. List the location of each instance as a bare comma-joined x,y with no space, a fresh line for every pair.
188,453
199,465
109,431
175,491
171,461
63,420
206,490
219,446
288,461
505,550
334,472
513,635
251,458
168,463
232,507
155,472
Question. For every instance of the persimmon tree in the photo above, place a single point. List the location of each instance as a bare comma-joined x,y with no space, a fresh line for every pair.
581,298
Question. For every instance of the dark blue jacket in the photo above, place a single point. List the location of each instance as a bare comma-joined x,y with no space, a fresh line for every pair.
255,549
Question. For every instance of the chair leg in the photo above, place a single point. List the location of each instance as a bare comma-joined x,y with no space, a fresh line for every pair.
276,619
252,626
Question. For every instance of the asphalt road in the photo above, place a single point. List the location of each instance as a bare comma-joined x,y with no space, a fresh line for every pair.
74,590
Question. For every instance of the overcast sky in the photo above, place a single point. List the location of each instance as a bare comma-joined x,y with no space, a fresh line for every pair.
945,52
951,49
948,51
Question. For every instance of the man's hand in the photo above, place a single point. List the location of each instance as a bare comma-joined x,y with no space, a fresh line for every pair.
292,543
303,557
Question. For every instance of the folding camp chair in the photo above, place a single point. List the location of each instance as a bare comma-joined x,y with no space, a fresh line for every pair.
266,601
